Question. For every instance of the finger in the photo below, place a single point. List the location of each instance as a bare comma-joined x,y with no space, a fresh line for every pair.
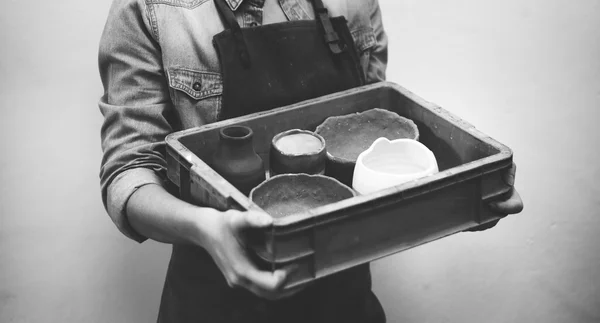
512,205
263,283
288,292
268,287
509,177
258,219
484,226
266,280
278,294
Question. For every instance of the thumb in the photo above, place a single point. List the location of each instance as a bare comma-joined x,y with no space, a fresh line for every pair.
253,219
512,205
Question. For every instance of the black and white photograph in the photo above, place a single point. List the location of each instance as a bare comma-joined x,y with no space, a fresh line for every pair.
300,161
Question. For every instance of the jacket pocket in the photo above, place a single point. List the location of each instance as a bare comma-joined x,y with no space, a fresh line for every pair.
198,85
196,95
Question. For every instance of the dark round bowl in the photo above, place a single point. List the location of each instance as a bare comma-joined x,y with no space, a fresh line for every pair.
308,160
347,136
287,194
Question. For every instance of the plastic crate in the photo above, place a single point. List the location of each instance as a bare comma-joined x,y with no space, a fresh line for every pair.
341,235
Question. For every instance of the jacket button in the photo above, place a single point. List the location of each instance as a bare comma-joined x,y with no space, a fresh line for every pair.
197,86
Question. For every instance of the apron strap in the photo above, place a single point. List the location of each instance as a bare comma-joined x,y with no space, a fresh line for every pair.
331,36
229,19
321,13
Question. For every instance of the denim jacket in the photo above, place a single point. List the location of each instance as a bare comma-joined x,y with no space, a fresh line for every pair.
161,74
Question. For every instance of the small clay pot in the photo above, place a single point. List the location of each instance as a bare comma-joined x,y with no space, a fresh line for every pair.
297,151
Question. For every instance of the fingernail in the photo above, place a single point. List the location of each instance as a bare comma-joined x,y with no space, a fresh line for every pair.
266,219
511,180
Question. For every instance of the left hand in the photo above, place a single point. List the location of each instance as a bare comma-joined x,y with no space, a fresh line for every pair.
512,205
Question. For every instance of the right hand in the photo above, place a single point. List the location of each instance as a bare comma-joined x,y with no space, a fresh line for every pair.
226,246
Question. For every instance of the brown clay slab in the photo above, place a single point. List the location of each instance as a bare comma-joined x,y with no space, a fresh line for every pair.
349,135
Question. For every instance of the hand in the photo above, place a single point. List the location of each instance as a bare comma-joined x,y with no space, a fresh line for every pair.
227,248
512,205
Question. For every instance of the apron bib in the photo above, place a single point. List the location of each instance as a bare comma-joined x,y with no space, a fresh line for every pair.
278,64
262,68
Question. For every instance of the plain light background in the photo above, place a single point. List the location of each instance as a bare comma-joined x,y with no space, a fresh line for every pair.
526,72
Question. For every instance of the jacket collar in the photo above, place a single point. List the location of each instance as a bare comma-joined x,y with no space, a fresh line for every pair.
234,4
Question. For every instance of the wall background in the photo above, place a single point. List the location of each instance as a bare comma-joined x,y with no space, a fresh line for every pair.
526,72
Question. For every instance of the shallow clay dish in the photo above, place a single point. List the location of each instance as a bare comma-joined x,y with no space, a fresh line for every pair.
348,136
287,194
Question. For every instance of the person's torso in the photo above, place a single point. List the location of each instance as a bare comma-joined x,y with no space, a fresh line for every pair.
185,29
194,286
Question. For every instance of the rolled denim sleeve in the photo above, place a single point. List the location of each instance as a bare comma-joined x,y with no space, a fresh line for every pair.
136,107
379,54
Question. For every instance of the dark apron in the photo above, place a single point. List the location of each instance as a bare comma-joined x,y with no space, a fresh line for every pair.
278,64
262,68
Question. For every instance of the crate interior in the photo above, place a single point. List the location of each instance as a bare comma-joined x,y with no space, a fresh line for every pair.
451,145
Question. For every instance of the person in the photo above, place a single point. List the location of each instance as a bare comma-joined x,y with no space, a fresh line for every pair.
169,65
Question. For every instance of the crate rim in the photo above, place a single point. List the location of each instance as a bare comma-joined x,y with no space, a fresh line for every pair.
499,160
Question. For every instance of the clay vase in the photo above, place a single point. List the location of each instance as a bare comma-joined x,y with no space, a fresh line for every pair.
235,159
